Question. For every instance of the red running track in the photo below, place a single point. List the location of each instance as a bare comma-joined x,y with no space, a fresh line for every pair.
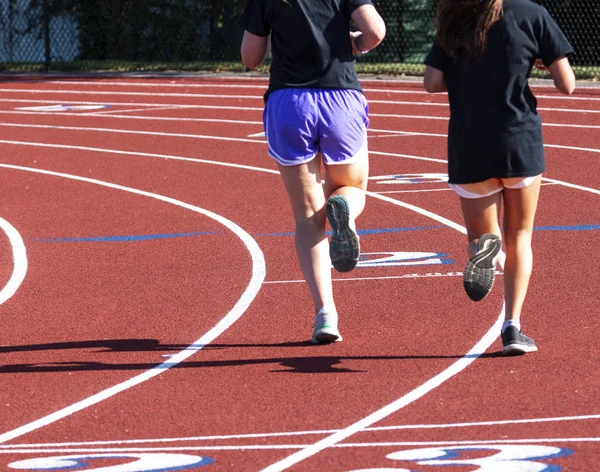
154,317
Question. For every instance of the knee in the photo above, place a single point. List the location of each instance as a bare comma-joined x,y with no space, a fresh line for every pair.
310,219
518,241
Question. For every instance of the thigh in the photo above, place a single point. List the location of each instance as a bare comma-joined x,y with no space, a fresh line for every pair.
520,205
481,215
304,187
355,174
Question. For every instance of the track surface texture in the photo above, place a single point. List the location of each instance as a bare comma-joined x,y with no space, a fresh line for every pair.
154,316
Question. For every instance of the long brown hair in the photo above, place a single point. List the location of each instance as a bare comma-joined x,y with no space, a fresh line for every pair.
462,25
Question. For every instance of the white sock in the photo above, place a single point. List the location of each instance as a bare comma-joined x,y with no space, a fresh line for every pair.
508,323
326,310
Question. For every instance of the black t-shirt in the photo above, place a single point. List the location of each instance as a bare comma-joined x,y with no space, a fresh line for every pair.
310,41
495,129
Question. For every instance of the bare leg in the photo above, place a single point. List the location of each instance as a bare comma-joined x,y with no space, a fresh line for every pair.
349,181
305,191
485,244
481,216
520,208
345,187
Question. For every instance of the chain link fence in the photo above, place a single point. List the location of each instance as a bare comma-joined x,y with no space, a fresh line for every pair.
202,35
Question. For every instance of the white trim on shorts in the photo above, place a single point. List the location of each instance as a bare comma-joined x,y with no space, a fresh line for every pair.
462,192
363,153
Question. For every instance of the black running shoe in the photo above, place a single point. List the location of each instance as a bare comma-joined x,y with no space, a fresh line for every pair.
344,247
478,278
514,342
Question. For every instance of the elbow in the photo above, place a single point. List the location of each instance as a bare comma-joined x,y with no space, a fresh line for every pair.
566,88
429,88
249,64
569,89
252,60
379,33
434,87
373,37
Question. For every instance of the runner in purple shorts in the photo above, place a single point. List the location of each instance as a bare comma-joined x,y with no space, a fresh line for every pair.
315,120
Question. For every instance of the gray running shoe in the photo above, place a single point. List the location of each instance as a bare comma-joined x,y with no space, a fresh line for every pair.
478,278
514,342
326,328
344,246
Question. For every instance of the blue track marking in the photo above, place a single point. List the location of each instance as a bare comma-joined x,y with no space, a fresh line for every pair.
362,232
140,237
567,228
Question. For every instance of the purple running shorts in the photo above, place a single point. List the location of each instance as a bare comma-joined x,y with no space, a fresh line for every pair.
301,122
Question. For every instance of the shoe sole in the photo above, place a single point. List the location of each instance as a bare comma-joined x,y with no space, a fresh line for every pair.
344,247
479,274
326,337
517,349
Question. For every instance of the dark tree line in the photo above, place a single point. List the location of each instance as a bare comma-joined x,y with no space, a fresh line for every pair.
195,30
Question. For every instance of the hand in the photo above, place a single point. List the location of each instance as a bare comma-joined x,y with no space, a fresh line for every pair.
356,40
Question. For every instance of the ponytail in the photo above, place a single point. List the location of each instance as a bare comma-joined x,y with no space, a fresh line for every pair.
462,25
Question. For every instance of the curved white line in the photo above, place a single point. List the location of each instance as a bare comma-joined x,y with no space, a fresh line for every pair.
258,275
244,140
275,447
412,396
319,432
484,343
125,131
570,185
140,154
19,258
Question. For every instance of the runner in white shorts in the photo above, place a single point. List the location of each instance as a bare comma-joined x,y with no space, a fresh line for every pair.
483,55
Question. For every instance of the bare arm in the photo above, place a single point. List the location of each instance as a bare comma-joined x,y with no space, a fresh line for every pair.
563,75
434,80
254,49
371,26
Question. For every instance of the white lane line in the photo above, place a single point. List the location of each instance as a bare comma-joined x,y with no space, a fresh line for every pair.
129,104
126,94
138,154
274,447
126,110
393,407
240,166
261,108
63,91
570,185
19,261
113,113
443,161
572,148
142,133
474,424
430,190
254,285
445,118
108,114
181,84
427,275
414,395
260,141
480,347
